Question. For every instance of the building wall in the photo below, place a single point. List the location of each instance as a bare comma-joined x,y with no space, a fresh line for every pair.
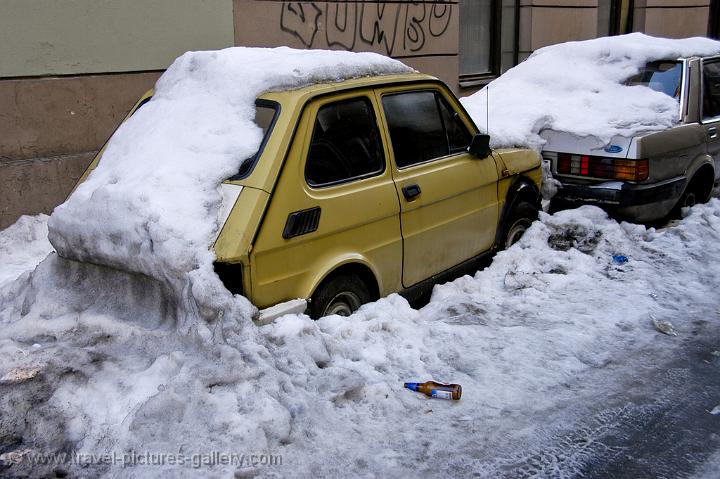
71,69
545,22
423,34
672,18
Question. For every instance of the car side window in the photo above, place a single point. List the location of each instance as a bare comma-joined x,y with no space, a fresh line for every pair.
345,144
458,136
711,90
422,127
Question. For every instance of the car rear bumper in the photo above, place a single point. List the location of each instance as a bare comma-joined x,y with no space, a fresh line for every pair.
645,202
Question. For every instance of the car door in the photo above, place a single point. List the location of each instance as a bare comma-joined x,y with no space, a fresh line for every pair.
334,203
448,198
710,108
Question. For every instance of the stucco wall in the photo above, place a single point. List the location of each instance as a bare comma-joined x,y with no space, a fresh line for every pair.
545,22
422,33
59,37
673,18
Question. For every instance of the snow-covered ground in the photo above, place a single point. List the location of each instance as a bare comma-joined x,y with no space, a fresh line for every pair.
22,246
577,87
93,362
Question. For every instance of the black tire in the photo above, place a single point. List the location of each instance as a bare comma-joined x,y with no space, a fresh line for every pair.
698,191
518,221
342,295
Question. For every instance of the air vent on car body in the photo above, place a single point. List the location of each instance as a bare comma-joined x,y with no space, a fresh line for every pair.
302,222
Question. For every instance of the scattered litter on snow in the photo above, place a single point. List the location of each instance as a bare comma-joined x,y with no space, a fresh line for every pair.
558,86
583,236
153,204
22,246
663,326
620,259
19,374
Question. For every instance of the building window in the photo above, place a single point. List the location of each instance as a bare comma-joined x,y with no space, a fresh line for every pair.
714,19
489,39
615,17
476,37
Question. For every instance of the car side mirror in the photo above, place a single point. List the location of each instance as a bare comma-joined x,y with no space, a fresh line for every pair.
480,146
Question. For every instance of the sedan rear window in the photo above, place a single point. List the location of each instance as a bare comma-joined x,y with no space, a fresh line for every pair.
662,76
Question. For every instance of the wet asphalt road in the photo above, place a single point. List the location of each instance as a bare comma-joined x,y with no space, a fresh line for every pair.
654,422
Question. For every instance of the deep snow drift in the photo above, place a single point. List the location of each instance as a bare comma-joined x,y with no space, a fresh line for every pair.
577,87
22,246
93,363
152,205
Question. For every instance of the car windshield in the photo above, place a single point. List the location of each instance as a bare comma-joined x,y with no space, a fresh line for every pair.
662,76
265,113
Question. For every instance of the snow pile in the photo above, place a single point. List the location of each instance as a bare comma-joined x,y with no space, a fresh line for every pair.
152,205
22,246
105,372
577,87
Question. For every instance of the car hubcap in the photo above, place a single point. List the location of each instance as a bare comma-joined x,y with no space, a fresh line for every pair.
518,229
690,200
343,304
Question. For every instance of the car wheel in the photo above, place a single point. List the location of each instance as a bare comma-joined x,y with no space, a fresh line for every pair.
341,295
698,191
519,220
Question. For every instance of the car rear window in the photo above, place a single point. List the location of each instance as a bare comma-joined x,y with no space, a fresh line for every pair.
662,76
266,113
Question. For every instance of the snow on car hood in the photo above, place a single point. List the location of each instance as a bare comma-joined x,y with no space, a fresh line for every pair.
153,204
577,87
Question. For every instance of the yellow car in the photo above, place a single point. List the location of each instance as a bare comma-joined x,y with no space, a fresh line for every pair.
366,187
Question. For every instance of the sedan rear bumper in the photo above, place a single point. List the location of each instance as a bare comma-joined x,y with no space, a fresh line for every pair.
644,202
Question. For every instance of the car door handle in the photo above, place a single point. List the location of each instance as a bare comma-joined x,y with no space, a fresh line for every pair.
411,191
712,132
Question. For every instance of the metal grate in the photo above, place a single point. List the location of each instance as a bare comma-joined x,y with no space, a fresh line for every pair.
302,222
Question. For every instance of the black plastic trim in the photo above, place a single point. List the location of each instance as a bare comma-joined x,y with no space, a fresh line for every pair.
627,195
302,222
469,266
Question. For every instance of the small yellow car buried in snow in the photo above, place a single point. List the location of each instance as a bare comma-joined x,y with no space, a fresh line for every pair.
366,187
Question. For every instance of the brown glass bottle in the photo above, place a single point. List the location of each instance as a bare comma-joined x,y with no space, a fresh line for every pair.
437,390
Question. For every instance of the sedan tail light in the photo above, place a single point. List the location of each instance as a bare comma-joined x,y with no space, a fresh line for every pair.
598,167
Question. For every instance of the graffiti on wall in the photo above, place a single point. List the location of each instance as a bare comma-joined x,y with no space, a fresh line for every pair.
395,29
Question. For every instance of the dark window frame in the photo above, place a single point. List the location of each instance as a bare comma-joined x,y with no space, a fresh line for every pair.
378,136
441,101
713,30
715,60
247,171
616,13
438,97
